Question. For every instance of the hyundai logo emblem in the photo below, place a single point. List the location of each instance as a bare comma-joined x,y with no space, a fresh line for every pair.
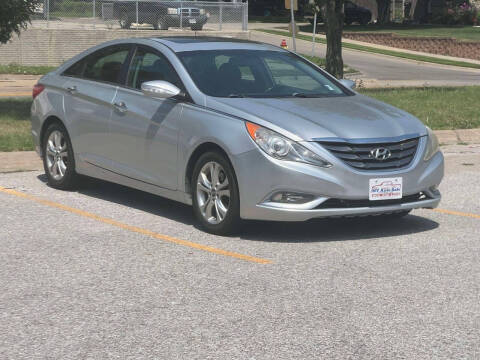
380,154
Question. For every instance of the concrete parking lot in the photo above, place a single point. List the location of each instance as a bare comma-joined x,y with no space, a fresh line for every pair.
110,272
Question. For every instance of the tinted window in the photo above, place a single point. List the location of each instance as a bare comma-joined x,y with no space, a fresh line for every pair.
147,65
106,64
257,73
76,70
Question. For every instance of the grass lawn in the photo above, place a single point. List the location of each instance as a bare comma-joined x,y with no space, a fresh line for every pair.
370,49
25,70
15,124
439,108
462,33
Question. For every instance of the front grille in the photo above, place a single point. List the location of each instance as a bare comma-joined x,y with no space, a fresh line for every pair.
359,155
342,203
190,12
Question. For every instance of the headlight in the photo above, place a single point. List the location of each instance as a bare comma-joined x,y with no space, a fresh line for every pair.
282,148
202,11
172,11
432,145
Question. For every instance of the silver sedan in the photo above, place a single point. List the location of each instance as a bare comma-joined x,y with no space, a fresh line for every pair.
239,130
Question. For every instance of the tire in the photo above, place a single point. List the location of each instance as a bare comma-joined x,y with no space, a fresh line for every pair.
364,21
124,20
197,28
217,212
58,160
160,24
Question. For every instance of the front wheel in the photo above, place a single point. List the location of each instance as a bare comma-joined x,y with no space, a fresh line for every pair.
216,202
124,20
58,160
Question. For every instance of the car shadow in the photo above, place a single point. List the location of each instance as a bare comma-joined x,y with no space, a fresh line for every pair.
336,229
136,199
317,230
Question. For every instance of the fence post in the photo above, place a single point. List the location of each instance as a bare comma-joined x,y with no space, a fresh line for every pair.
94,14
47,3
181,15
245,16
136,13
220,16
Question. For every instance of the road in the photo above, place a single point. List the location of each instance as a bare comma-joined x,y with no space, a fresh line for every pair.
386,68
109,272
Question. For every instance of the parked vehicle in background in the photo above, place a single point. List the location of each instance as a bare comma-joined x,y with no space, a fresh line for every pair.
160,14
353,13
237,129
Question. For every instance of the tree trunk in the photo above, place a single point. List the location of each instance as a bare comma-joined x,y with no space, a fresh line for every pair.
334,29
383,9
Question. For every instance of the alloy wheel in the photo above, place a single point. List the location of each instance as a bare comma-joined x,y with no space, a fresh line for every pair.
213,192
57,155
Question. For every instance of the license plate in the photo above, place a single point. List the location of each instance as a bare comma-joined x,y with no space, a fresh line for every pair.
192,21
385,189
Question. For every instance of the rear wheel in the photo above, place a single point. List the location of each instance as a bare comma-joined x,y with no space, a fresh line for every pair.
216,202
160,24
364,20
124,20
58,160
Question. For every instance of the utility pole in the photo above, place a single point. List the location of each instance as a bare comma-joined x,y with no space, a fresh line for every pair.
293,25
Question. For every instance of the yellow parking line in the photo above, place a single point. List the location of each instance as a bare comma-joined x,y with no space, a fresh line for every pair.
458,213
136,229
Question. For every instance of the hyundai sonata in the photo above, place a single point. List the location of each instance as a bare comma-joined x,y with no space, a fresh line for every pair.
237,129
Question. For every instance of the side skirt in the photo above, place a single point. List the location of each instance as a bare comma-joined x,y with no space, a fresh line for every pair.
94,171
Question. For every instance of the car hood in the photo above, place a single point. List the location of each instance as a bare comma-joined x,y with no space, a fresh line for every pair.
348,117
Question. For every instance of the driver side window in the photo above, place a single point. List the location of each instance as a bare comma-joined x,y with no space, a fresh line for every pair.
149,66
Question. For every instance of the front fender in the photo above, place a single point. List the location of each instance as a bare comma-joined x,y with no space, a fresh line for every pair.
200,125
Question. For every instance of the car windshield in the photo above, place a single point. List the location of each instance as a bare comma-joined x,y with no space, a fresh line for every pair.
257,73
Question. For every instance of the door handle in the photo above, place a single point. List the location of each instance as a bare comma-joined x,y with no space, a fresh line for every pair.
72,89
120,106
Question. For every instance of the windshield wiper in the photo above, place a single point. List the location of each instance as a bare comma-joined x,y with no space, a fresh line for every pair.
305,95
236,96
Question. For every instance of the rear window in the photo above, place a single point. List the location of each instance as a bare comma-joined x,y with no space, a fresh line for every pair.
103,65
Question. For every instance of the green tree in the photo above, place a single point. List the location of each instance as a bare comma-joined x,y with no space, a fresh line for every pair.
15,16
333,15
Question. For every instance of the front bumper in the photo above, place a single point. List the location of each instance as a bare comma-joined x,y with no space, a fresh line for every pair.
259,176
187,20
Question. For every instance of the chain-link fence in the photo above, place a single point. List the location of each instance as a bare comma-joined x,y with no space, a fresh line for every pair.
141,14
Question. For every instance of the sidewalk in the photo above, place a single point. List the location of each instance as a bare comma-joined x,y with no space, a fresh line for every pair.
17,85
452,141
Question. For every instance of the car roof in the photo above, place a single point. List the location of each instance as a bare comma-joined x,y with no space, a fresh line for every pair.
190,43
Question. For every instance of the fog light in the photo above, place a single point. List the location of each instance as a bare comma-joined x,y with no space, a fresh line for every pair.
291,198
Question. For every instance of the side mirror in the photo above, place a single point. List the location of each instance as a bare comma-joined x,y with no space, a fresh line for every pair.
160,89
348,83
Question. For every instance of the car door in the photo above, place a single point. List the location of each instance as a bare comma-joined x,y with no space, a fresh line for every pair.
143,130
89,93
